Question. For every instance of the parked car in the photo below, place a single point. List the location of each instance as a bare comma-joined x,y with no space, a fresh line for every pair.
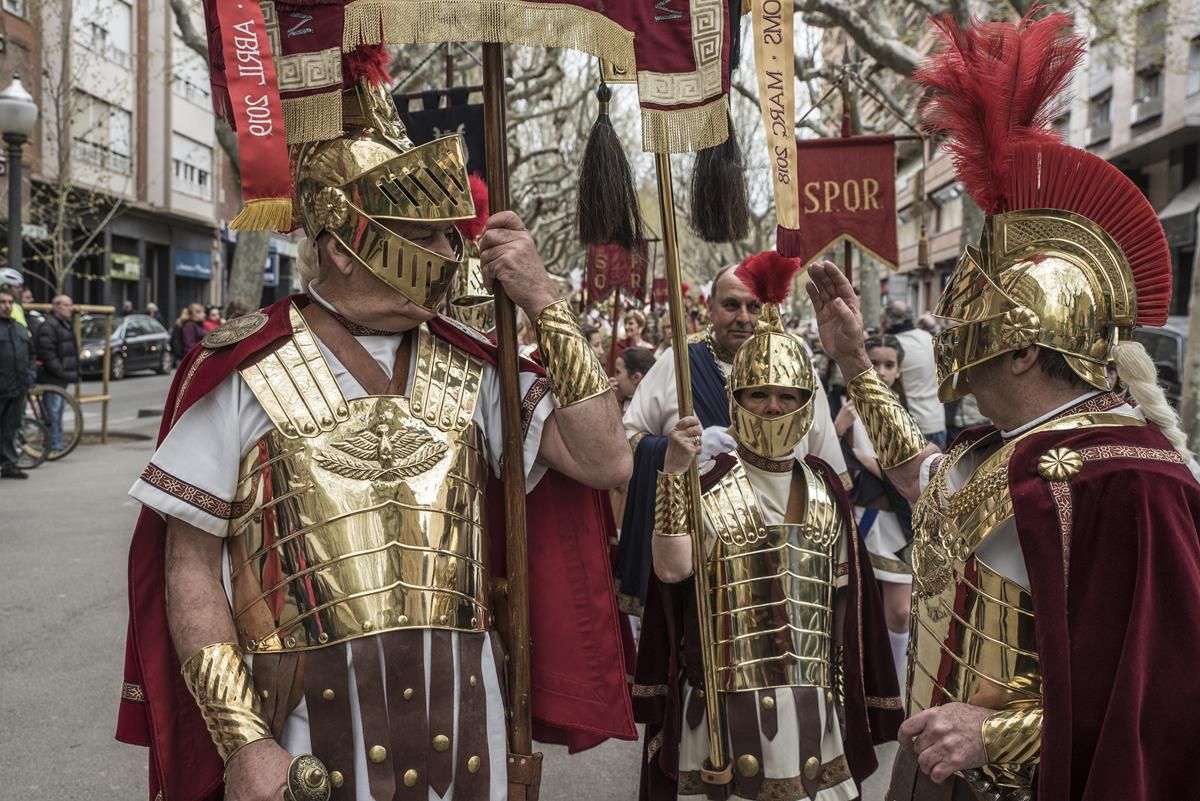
139,342
1167,347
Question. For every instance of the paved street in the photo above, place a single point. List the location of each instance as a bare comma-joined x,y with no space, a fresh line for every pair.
63,542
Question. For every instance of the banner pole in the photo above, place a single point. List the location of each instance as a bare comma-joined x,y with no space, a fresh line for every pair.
717,771
524,767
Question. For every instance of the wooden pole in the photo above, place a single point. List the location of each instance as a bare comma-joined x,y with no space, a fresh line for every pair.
717,771
612,344
520,733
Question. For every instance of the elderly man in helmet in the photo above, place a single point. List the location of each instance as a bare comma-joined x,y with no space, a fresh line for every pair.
1055,549
321,511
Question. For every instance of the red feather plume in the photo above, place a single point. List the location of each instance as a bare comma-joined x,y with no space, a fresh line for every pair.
768,275
473,228
994,86
367,61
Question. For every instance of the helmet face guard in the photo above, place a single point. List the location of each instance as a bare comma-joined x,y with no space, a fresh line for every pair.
771,358
1039,277
355,187
469,301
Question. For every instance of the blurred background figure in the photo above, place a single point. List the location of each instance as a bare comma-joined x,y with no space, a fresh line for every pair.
920,377
17,373
58,357
883,514
212,319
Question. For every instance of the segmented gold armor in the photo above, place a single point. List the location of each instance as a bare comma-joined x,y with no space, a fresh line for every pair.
973,634
772,586
360,516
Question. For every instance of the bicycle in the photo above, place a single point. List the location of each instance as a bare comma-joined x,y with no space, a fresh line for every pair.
33,443
72,416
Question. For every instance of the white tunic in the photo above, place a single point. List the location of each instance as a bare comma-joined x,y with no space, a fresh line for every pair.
204,449
654,409
782,756
885,539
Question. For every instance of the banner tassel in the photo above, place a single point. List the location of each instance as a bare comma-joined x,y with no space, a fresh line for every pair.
266,214
607,210
720,210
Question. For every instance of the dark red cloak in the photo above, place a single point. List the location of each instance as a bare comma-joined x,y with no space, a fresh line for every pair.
1113,557
873,711
579,686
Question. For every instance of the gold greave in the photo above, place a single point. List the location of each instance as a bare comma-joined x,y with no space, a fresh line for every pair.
893,432
1013,736
222,685
574,371
671,506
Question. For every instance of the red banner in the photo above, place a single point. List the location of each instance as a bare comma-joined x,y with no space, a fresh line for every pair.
847,191
609,266
257,116
658,293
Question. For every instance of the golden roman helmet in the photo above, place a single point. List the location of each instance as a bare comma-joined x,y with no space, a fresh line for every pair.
1072,255
468,300
354,186
771,358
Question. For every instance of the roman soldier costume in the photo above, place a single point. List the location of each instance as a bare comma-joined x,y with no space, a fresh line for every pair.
802,701
1048,560
351,473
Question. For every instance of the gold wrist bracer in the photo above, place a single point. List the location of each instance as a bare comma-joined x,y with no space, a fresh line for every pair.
221,683
1013,736
671,505
893,432
572,368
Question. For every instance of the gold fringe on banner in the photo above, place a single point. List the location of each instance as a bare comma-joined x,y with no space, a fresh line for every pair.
314,118
265,214
687,129
538,24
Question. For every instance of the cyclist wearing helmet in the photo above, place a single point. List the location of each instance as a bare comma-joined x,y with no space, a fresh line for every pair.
13,281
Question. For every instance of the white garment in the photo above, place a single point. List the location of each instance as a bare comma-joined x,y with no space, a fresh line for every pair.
204,449
782,757
654,409
885,538
920,381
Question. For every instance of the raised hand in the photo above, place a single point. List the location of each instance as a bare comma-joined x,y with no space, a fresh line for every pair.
839,319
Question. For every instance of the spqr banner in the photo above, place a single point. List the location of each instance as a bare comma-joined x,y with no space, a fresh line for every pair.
845,190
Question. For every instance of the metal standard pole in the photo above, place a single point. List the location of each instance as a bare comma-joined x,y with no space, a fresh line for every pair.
717,771
15,256
525,764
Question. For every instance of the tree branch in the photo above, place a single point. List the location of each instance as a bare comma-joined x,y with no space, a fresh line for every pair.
890,52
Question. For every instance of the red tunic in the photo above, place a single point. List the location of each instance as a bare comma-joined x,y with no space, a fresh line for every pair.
579,692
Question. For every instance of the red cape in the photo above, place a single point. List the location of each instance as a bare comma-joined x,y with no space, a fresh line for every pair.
872,713
579,691
1116,597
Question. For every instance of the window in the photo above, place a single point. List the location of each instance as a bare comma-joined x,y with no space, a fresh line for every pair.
102,134
17,7
106,28
1193,80
189,74
1147,86
191,164
1100,110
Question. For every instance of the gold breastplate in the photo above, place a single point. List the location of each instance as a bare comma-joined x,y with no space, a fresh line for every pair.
973,635
772,586
364,515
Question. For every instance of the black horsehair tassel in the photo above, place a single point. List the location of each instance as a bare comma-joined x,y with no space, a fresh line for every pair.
607,211
720,210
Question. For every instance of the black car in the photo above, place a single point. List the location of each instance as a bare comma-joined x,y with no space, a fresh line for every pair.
1167,346
139,342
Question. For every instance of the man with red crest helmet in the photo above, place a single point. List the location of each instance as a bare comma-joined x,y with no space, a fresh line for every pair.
1056,556
799,651
311,574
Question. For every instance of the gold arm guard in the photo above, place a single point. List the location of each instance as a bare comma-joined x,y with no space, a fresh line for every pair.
671,506
221,683
1013,736
893,432
574,372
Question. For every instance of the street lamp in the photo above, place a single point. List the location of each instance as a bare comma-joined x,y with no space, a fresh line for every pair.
18,113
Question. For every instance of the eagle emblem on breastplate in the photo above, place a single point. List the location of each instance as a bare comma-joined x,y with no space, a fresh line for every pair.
388,448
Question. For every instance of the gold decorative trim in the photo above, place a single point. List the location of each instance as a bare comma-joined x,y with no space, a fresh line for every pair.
1100,452
537,391
133,692
1060,492
686,129
762,463
890,565
313,118
1059,464
831,774
674,88
648,690
187,381
234,331
884,702
541,24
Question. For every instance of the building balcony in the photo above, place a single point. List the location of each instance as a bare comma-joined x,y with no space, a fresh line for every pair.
1145,110
1098,133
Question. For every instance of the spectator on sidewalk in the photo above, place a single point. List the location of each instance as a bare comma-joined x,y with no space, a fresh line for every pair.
212,319
918,373
154,314
33,318
58,352
189,329
13,281
17,372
